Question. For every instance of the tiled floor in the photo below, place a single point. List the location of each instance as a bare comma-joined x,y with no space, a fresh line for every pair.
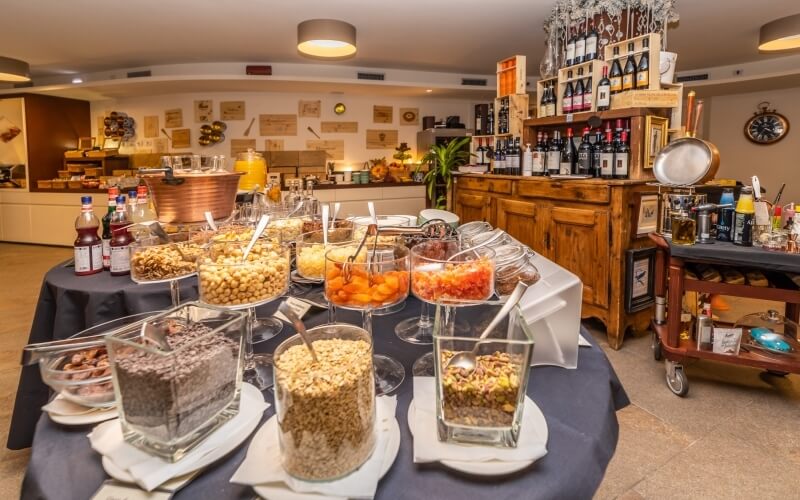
724,440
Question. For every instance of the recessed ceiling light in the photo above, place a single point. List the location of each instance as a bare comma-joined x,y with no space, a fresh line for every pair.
77,79
780,34
14,70
326,38
429,90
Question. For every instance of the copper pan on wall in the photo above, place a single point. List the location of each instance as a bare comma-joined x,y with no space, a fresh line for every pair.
188,201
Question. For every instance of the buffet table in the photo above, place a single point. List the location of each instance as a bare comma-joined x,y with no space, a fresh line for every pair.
579,406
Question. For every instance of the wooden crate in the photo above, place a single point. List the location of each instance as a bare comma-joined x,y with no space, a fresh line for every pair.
283,158
511,76
312,159
517,113
638,44
540,85
593,68
667,98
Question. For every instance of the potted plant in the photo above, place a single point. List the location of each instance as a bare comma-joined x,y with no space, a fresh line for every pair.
442,160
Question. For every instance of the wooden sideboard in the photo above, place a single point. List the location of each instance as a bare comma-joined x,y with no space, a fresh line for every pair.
584,226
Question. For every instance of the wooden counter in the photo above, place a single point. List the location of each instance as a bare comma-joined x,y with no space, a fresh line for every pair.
584,226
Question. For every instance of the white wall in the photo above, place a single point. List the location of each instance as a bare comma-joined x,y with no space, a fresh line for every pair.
359,108
741,159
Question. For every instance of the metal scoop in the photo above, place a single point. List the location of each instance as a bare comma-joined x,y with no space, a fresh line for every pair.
298,324
347,268
467,360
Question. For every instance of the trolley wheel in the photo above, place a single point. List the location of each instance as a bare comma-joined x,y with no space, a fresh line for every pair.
678,383
776,373
656,345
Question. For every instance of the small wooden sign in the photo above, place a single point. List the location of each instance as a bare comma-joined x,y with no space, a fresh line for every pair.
381,139
333,148
231,110
101,126
277,124
309,109
181,138
409,116
273,144
382,114
203,111
173,118
338,127
241,145
151,127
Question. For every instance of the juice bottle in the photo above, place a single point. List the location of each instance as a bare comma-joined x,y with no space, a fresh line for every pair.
112,206
743,218
88,246
120,240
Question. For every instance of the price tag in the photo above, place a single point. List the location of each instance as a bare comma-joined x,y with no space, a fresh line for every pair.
762,214
300,308
112,490
570,117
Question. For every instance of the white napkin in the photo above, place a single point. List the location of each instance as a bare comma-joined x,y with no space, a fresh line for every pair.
428,448
61,406
582,342
262,465
149,471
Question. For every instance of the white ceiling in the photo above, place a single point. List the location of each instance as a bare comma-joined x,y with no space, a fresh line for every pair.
466,36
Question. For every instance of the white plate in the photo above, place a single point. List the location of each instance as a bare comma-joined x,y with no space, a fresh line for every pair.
94,417
236,436
279,491
490,467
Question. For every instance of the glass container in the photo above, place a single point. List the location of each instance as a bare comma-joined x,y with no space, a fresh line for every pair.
170,400
325,409
483,406
770,331
289,227
310,251
254,167
469,276
684,229
495,238
473,228
511,271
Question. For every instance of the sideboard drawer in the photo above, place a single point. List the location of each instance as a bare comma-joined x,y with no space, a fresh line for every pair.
565,190
502,186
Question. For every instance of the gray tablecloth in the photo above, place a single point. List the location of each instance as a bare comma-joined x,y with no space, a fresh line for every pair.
724,253
579,406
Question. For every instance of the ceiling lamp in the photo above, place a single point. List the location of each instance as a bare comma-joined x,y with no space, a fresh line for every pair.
14,70
780,34
327,38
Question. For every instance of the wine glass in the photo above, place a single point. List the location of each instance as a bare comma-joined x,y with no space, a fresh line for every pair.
226,280
365,279
438,275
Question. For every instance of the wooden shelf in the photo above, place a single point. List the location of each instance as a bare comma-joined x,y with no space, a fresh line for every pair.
751,292
584,116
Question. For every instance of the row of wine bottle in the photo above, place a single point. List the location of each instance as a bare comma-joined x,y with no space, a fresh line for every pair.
581,46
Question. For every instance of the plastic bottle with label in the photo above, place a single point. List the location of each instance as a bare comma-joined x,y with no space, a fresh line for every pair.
120,241
88,245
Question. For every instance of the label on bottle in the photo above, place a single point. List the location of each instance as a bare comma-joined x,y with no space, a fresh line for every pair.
621,167
537,163
596,162
616,83
120,259
527,163
591,47
478,124
570,53
580,50
106,252
724,224
565,168
627,82
515,163
553,159
642,79
584,162
742,229
543,111
88,258
566,105
603,96
606,164
551,109
587,101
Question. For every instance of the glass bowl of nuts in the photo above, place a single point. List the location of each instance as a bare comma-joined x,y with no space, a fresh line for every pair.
289,227
310,251
325,409
481,406
80,371
155,262
224,279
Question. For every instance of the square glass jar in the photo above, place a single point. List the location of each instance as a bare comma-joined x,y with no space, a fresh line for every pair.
484,406
169,401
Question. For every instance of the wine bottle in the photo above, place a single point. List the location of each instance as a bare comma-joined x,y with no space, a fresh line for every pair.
615,75
569,155
587,94
490,120
629,73
577,95
551,101
527,160
478,121
643,69
622,154
580,47
543,102
553,158
569,59
585,154
604,91
591,43
539,152
515,158
607,157
596,151
566,102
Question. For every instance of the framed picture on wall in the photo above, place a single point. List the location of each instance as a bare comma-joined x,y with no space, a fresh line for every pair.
640,266
645,216
656,129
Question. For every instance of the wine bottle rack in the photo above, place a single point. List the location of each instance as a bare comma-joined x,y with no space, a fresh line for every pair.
511,76
593,68
517,113
654,51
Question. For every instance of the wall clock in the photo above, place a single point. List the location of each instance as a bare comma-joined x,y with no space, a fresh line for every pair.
339,108
766,126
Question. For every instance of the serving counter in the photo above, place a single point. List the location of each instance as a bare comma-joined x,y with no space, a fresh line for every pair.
583,225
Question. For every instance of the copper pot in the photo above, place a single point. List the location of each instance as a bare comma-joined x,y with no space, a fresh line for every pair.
187,196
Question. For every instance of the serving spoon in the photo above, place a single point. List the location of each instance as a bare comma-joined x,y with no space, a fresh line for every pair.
298,324
467,360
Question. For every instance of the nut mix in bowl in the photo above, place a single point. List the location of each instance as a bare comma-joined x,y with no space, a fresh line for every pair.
290,227
326,409
225,280
153,261
310,251
170,400
381,280
469,276
482,406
